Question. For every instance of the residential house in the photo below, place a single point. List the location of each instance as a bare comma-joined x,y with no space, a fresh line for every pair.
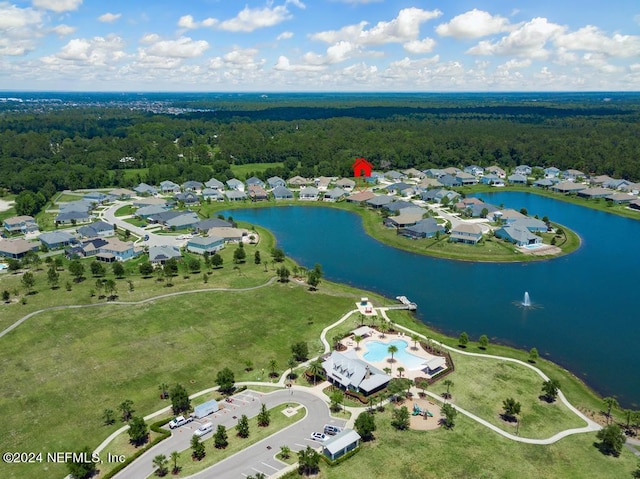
235,184
235,195
620,198
523,170
167,187
394,175
116,250
427,183
380,201
16,248
282,193
634,204
402,189
616,184
254,181
508,215
360,197
205,226
215,184
97,198
81,205
187,220
144,189
72,217
210,194
347,371
121,193
517,179
567,187
438,196
323,182
346,184
309,193
533,225
160,254
205,244
633,188
424,228
450,181
479,210
230,235
334,195
496,170
406,217
492,180
451,170
396,206
414,173
474,170
340,444
594,193
149,211
57,239
551,172
434,173
20,224
544,183
468,233
298,181
188,198
191,185
149,201
164,216
97,229
518,235
257,193
466,179
572,175
276,181
600,180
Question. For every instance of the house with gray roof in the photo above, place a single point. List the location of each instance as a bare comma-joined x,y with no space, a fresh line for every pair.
205,244
121,193
396,206
144,189
346,184
98,228
168,186
235,195
517,179
544,183
340,444
438,195
474,170
467,233
282,193
508,215
616,184
379,201
531,224
450,180
188,198
572,175
492,179
401,188
212,194
414,173
215,184
257,193
360,197
16,248
20,224
57,239
164,216
72,217
466,178
309,193
434,173
152,210
523,170
160,254
620,198
275,181
334,195
496,170
192,185
567,187
551,172
205,225
80,205
594,193
406,217
117,250
298,181
187,220
518,235
347,371
97,197
394,175
425,228
479,210
235,184
149,201
254,181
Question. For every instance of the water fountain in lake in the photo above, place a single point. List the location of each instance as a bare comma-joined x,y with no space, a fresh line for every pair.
526,302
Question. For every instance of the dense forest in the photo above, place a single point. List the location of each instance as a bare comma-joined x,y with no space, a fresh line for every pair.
91,146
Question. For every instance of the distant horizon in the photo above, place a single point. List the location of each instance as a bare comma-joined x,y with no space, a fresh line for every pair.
331,92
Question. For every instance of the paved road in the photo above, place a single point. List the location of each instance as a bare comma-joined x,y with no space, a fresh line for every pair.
256,458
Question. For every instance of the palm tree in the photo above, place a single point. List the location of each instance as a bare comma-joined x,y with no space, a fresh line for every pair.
336,341
175,455
357,339
610,402
273,365
392,349
400,371
315,369
449,384
384,327
160,461
415,338
292,364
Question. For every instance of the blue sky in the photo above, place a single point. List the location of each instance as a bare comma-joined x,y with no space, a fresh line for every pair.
320,45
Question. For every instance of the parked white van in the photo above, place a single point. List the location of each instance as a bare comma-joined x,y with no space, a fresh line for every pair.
202,430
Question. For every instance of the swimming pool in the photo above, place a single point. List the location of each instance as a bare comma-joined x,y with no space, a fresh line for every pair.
379,351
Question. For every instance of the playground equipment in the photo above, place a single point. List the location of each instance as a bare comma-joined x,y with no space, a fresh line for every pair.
418,411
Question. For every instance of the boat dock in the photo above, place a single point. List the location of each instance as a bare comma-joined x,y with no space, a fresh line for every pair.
406,304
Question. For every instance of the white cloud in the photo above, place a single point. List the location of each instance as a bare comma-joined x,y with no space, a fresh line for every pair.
183,47
109,17
528,41
514,64
420,46
285,36
19,29
591,38
599,62
63,30
284,64
188,22
96,51
12,17
474,24
57,6
250,19
405,27
336,53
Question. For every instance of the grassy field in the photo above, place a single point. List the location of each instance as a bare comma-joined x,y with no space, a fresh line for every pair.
242,171
470,451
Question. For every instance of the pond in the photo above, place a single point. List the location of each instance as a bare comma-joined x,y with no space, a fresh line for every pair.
582,313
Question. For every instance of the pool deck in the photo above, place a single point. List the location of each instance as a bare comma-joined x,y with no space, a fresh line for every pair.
350,344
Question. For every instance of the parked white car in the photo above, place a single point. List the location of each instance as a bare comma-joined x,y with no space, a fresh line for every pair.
204,429
318,436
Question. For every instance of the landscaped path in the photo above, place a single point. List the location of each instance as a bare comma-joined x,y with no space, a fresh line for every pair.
130,303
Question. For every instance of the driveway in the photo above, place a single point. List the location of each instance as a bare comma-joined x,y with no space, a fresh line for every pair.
256,458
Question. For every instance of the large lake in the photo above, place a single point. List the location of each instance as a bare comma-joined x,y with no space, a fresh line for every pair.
584,314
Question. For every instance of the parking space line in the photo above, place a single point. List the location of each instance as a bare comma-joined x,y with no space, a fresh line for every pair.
269,465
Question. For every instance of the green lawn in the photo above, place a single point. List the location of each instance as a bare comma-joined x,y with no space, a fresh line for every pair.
471,451
242,171
125,210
